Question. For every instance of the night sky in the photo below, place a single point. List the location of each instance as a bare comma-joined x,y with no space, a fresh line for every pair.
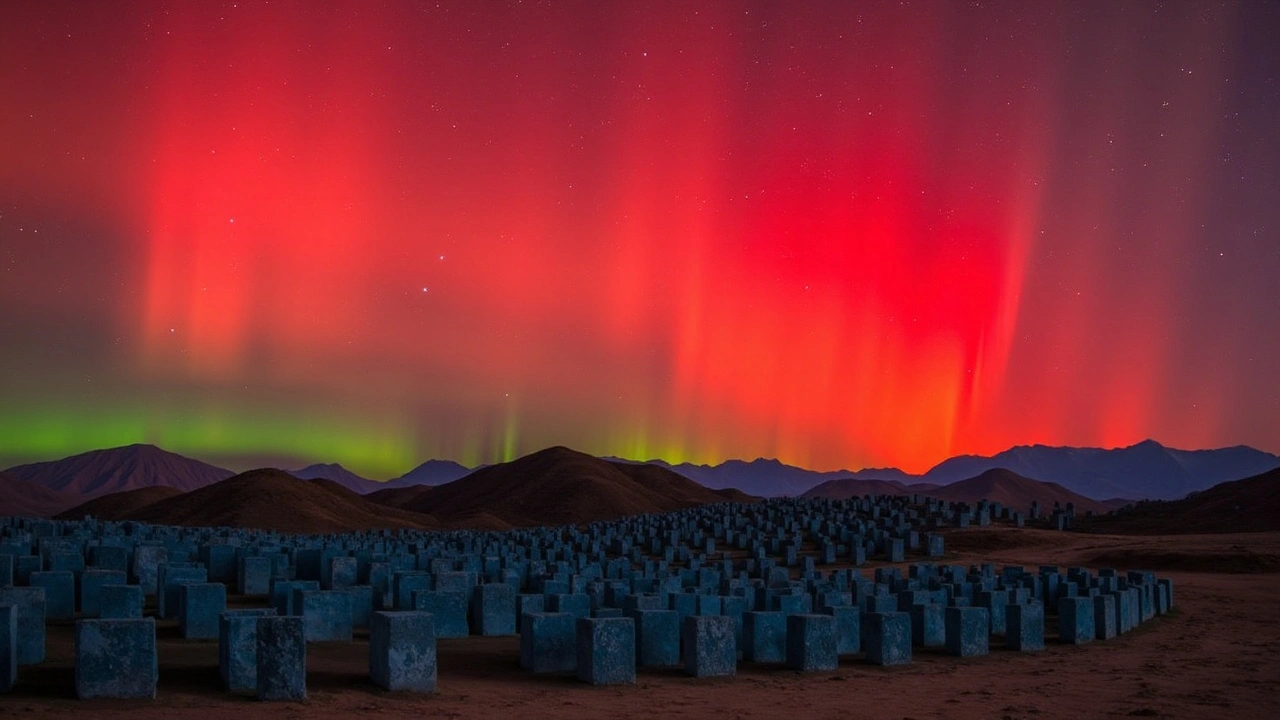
842,234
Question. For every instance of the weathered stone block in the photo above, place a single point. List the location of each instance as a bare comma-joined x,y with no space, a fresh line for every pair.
1075,620
120,602
1024,627
146,563
405,584
1123,612
448,610
59,593
342,572
577,604
238,648
657,637
848,628
708,646
548,642
968,631
282,594
606,650
253,577
995,601
91,583
8,647
928,625
888,638
169,578
282,659
493,609
199,605
1104,617
6,570
764,637
811,643
116,658
361,604
326,614
30,621
402,651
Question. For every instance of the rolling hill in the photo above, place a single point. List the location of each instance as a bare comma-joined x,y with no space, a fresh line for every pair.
23,498
1015,491
1248,505
265,499
559,486
336,473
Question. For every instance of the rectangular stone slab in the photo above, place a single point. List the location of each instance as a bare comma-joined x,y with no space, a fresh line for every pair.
120,602
8,647
968,631
91,583
887,638
548,642
1024,627
708,645
30,631
811,643
402,651
606,650
1075,620
116,658
764,637
238,648
199,605
282,659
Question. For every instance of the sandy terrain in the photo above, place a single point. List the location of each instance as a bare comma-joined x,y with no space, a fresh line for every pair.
1216,656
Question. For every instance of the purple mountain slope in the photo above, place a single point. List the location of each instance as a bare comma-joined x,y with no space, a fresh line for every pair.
100,472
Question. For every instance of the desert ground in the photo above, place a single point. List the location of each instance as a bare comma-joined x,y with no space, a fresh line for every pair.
1216,656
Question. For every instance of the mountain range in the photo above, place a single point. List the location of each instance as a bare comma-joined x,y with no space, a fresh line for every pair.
1146,470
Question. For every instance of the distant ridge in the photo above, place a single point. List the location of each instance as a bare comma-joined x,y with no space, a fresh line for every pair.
121,505
559,486
1013,490
23,498
1248,505
431,472
335,473
266,499
100,472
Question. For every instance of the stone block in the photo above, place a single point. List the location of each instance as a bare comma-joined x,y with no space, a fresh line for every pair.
120,602
606,650
8,646
577,604
928,625
282,594
91,583
1024,627
6,570
1075,620
493,609
764,637
402,651
995,601
968,631
361,604
449,611
220,563
109,557
548,642
30,621
1104,617
811,643
146,564
199,605
342,572
848,628
59,593
253,576
1123,611
657,637
405,584
528,603
169,578
887,638
282,659
708,646
326,614
116,658
238,648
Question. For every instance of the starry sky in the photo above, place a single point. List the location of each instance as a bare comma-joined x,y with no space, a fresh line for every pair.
841,234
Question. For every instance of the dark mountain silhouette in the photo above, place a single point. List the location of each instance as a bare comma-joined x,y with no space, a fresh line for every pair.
1248,505
100,472
399,496
431,472
847,487
23,498
764,477
119,506
336,473
1145,470
559,486
270,499
1015,491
